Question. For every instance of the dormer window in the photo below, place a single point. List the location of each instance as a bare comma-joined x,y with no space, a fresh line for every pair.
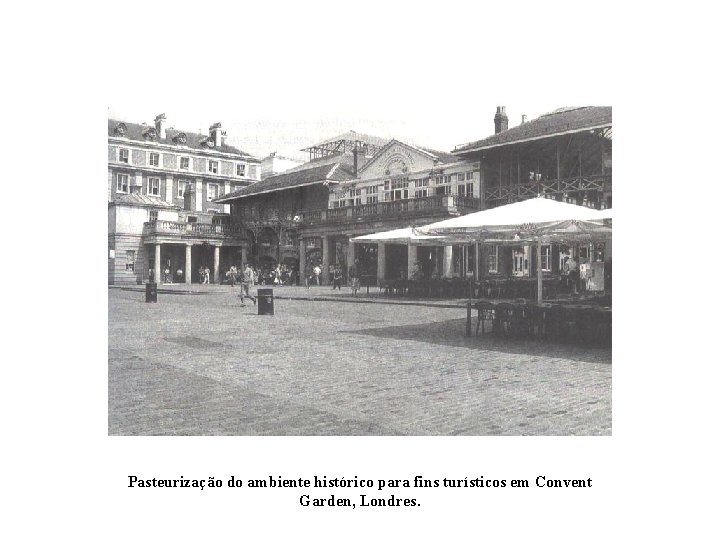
207,142
150,133
120,130
180,138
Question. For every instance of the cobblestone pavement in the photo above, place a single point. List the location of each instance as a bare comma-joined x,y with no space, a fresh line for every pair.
203,365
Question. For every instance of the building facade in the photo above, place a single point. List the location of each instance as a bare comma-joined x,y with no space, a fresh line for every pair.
162,186
216,210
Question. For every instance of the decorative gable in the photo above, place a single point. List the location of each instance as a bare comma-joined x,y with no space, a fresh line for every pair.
397,159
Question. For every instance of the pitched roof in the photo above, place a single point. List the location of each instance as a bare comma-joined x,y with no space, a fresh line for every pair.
442,157
138,199
563,120
135,133
353,136
328,169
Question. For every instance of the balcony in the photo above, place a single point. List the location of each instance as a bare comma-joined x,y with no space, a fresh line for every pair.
441,205
195,230
599,184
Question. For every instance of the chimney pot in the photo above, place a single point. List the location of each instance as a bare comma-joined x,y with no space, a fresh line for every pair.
161,125
501,119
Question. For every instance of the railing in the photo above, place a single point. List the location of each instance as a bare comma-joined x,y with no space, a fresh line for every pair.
420,205
197,229
564,186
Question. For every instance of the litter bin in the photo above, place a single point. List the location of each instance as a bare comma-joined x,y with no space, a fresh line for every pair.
265,302
151,292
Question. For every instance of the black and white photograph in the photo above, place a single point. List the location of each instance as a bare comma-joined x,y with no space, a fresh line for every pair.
362,284
318,270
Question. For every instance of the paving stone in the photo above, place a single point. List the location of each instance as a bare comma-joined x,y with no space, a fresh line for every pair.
202,365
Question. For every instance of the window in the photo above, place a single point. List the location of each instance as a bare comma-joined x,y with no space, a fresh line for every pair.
212,192
442,190
469,191
213,166
422,182
154,187
124,155
192,219
545,258
493,260
122,183
241,169
468,176
130,260
152,215
185,163
421,193
154,159
461,190
181,188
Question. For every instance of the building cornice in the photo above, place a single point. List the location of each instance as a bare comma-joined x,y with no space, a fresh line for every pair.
179,149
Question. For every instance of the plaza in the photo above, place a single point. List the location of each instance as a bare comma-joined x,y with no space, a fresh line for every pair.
329,364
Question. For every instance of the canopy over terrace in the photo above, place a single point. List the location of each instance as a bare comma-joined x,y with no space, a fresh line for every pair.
541,220
397,236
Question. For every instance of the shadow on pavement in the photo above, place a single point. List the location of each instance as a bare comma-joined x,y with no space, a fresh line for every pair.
452,333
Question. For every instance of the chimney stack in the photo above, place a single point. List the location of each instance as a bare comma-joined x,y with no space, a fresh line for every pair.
524,118
190,197
160,125
216,134
501,119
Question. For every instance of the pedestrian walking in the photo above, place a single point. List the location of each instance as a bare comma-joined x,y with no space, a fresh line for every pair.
233,275
246,279
337,277
354,277
316,272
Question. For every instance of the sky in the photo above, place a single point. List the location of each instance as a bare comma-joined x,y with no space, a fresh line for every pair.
287,80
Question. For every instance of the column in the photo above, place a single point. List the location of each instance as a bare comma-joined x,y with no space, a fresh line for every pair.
412,259
301,269
350,260
244,255
158,275
226,207
169,194
381,261
188,263
199,195
447,261
216,265
476,270
325,260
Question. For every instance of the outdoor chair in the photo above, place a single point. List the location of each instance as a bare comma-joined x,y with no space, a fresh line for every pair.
486,313
503,319
556,323
519,322
536,321
586,321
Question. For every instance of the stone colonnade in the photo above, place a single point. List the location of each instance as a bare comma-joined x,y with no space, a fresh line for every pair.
157,270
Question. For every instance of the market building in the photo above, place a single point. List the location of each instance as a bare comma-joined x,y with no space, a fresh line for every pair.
162,216
355,184
565,155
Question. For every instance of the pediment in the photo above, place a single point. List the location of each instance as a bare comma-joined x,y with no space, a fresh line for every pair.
394,159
